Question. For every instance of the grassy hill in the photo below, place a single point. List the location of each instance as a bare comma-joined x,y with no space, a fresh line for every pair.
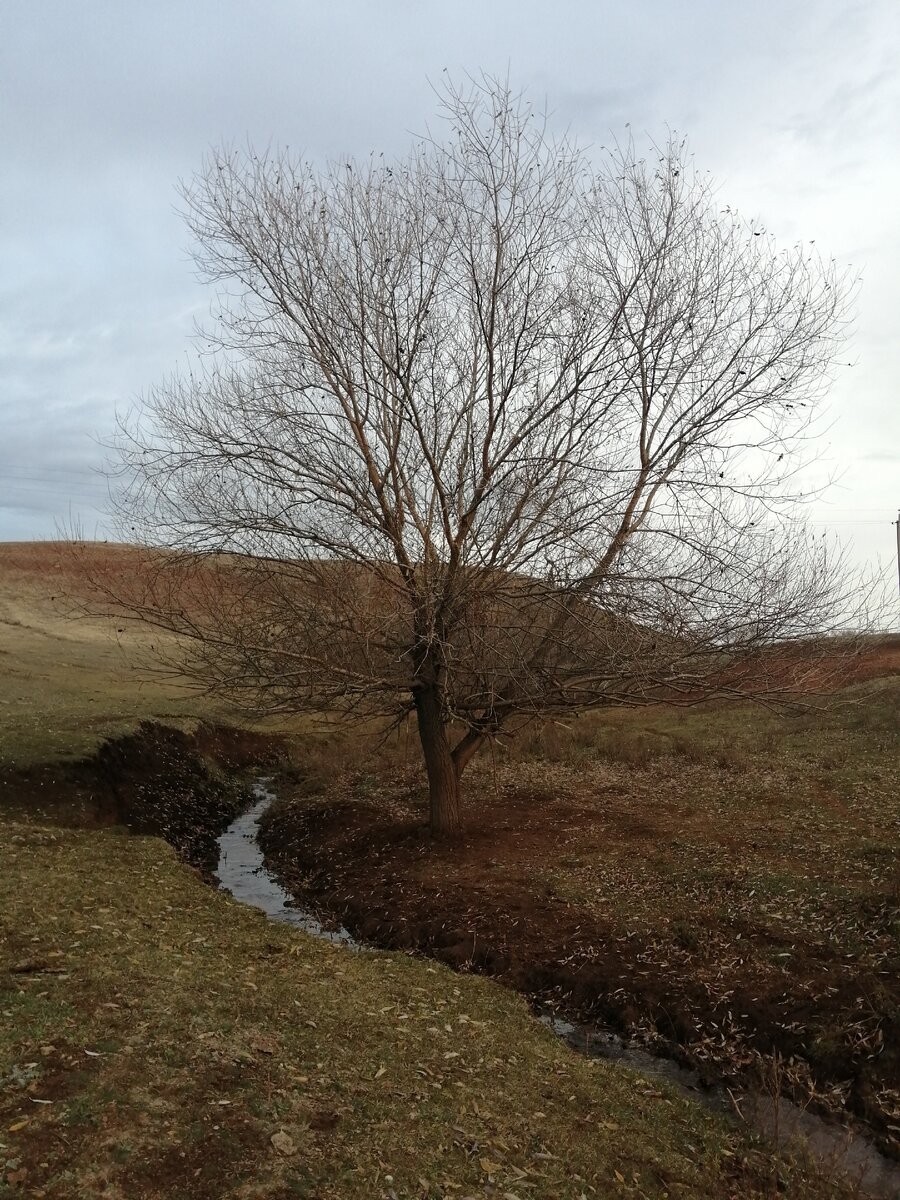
67,681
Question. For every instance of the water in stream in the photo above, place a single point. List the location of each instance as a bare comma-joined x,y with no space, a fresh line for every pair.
242,872
840,1150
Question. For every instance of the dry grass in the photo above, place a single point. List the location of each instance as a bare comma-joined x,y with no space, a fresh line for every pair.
723,877
67,681
155,1037
66,684
174,1033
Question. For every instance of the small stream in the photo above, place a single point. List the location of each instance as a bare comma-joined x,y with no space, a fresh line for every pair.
242,873
839,1150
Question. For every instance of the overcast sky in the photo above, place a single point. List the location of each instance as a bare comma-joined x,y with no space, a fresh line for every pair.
794,108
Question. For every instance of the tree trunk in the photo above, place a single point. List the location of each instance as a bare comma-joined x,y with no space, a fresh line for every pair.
443,775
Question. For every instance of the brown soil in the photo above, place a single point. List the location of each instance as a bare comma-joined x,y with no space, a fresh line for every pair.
482,903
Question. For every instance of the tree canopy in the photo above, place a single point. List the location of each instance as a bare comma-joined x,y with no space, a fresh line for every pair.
499,429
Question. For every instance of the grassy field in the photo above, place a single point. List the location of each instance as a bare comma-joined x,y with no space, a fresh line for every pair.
158,1040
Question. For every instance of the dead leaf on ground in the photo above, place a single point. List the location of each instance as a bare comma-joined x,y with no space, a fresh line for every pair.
489,1166
283,1143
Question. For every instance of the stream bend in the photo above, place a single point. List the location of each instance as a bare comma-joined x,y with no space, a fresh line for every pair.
242,873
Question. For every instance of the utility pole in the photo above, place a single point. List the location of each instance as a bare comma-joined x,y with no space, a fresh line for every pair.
897,523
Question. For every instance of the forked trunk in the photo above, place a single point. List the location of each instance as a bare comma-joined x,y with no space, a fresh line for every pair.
443,775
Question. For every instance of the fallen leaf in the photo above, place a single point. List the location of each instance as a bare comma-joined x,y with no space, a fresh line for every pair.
283,1143
263,1045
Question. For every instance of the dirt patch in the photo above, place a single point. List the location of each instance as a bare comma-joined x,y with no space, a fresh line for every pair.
736,998
214,1141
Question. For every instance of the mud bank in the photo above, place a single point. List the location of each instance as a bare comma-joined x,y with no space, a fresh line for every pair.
243,873
467,905
185,787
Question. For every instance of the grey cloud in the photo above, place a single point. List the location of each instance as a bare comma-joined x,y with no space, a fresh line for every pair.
107,105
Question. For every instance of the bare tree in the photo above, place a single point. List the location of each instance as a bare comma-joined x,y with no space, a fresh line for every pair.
490,432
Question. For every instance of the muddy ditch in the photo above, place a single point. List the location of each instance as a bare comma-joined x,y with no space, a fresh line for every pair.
385,882
185,787
243,872
346,872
